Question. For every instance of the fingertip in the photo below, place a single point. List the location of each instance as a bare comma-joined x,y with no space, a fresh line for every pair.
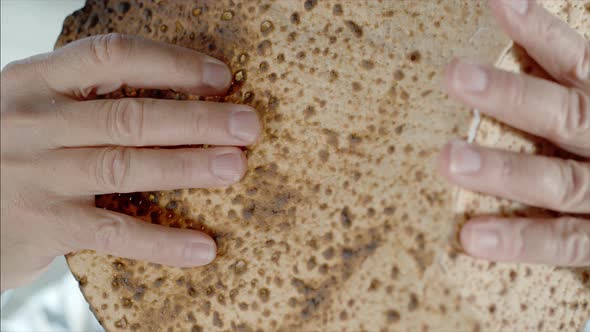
494,5
481,238
442,161
500,7
200,252
229,165
216,74
243,164
211,252
465,236
448,74
459,159
505,11
245,124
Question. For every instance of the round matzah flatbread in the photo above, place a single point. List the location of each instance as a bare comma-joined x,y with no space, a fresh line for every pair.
342,223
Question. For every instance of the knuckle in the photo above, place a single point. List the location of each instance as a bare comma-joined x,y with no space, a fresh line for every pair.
580,71
189,167
110,48
13,70
19,115
25,72
158,247
10,119
515,85
200,124
573,187
573,120
517,246
183,63
111,168
573,242
550,30
179,64
108,234
17,74
125,120
508,167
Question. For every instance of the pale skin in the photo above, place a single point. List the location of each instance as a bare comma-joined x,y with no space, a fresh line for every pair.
59,148
557,110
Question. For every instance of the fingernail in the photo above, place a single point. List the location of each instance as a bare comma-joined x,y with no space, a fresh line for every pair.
228,167
464,158
216,75
519,6
470,77
480,240
244,125
200,253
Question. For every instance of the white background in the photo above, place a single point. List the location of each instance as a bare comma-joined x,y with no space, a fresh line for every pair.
31,27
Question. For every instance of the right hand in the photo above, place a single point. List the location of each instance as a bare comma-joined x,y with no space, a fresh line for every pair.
557,110
60,149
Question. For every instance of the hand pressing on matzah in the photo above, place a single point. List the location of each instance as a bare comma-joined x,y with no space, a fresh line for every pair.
558,111
60,148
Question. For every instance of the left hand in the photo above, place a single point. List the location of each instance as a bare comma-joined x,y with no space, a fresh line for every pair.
60,147
558,111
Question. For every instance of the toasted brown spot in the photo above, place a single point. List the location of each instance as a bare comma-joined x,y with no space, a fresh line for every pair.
309,111
263,66
324,155
415,56
121,323
240,267
310,4
328,253
240,76
343,315
264,294
492,308
264,48
413,304
345,217
266,27
392,316
367,64
375,283
243,58
217,319
355,28
227,15
512,275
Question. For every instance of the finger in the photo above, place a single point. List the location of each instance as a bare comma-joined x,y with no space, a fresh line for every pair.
558,48
104,63
120,235
537,106
556,184
564,241
151,122
122,170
